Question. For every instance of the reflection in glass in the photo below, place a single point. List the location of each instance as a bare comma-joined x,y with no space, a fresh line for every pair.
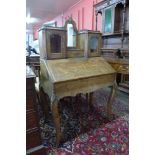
108,20
55,42
93,44
71,36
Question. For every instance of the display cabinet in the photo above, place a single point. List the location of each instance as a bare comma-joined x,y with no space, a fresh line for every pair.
90,42
115,37
52,42
114,15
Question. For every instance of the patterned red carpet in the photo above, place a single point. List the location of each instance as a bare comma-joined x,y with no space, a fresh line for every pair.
88,132
109,139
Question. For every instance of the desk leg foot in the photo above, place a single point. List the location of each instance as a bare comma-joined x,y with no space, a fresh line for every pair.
89,97
110,101
56,119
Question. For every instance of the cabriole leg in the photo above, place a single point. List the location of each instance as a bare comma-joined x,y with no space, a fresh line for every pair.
110,101
56,119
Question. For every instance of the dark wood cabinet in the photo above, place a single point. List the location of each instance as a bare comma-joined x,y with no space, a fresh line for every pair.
115,37
115,23
33,137
90,42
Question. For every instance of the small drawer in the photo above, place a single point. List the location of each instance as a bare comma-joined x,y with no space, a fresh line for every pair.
30,103
30,83
31,120
31,93
33,138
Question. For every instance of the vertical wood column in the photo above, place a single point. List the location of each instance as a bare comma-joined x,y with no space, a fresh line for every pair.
56,119
123,25
110,101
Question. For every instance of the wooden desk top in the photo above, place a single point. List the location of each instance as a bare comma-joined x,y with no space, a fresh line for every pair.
78,68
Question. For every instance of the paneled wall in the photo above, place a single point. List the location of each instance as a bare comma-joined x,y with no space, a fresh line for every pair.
83,13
